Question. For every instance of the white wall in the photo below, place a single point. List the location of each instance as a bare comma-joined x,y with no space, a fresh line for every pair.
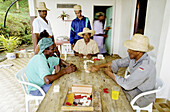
32,7
164,72
162,63
61,28
126,24
153,23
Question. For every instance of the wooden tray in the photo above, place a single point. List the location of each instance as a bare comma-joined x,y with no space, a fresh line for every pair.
79,89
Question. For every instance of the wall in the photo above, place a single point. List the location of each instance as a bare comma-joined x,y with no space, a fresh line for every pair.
61,28
153,24
164,53
125,24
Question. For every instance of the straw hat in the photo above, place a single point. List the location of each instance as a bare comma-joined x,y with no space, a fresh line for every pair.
77,7
42,6
139,43
86,30
100,14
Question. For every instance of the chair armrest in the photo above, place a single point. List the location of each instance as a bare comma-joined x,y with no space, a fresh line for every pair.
143,94
33,85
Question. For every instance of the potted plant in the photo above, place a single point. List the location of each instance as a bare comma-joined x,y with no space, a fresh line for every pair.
63,15
9,44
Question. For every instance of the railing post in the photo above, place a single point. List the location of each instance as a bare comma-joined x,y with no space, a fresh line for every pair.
7,13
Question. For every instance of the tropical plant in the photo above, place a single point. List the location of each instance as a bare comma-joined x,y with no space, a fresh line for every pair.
27,39
63,15
9,43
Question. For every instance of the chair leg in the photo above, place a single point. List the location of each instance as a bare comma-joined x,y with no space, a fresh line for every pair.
37,102
27,105
65,55
138,110
150,108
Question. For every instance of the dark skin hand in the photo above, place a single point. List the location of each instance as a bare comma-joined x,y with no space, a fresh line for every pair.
79,55
50,78
107,28
104,35
35,41
89,56
72,46
109,72
95,68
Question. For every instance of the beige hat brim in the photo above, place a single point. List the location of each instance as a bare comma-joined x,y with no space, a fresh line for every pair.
42,9
136,47
90,31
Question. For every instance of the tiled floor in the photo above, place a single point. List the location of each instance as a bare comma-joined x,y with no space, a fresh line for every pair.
11,95
161,105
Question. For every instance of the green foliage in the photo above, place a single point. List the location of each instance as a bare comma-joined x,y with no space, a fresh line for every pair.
18,23
27,39
4,31
9,43
18,29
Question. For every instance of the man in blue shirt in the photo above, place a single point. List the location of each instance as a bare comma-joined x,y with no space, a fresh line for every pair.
40,67
77,25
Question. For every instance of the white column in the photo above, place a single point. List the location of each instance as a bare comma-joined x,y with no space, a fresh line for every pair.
117,25
163,55
165,69
32,7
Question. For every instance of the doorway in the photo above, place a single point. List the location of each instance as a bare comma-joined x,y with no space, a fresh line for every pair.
140,16
108,11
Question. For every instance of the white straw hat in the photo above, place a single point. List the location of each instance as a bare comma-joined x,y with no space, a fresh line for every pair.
86,30
42,6
77,7
138,42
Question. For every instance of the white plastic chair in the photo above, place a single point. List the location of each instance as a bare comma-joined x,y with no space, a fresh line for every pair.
66,49
158,87
22,79
126,73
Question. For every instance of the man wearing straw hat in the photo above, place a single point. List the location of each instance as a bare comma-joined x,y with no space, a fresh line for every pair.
77,25
142,70
40,67
86,46
41,23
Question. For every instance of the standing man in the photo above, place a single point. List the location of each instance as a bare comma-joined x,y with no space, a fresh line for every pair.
100,34
77,25
41,23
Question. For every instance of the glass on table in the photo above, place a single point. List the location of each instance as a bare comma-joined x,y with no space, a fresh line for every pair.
115,92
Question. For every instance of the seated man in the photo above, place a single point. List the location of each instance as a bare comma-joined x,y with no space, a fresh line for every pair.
142,70
40,67
86,46
44,34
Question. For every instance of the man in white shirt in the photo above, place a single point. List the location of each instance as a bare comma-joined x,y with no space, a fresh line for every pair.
41,23
86,46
